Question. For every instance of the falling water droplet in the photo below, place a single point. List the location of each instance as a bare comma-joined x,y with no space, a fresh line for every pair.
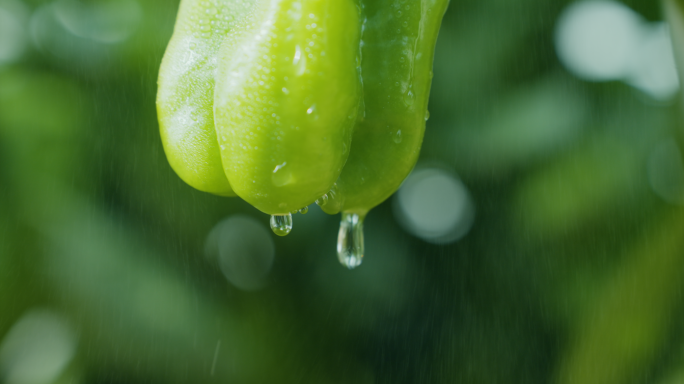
281,224
323,200
350,246
304,210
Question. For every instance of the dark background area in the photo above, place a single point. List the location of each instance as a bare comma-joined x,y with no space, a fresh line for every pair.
567,267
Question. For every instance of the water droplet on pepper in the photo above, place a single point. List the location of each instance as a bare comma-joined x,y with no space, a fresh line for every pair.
281,224
350,247
397,137
323,200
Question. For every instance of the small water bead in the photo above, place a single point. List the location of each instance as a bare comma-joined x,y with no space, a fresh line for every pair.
350,246
334,195
397,137
409,98
427,115
281,224
304,210
323,200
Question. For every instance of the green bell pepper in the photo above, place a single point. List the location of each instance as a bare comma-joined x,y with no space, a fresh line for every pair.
398,49
287,102
185,97
287,94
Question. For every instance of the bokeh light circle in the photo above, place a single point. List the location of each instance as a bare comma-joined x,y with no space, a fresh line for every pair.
435,205
13,35
596,40
37,349
243,249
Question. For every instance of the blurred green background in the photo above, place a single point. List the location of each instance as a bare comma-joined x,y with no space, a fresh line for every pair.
539,240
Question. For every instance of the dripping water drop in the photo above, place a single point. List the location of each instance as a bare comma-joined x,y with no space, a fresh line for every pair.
281,224
304,210
350,246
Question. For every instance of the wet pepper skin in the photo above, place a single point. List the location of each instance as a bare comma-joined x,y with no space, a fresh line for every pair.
185,96
397,51
278,101
286,100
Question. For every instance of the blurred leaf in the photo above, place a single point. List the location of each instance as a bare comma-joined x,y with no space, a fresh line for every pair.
581,187
530,123
621,334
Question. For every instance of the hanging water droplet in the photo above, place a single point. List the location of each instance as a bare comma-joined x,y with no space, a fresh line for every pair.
427,115
304,210
281,224
323,200
350,246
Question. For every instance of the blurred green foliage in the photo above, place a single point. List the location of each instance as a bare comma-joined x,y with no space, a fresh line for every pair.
572,273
